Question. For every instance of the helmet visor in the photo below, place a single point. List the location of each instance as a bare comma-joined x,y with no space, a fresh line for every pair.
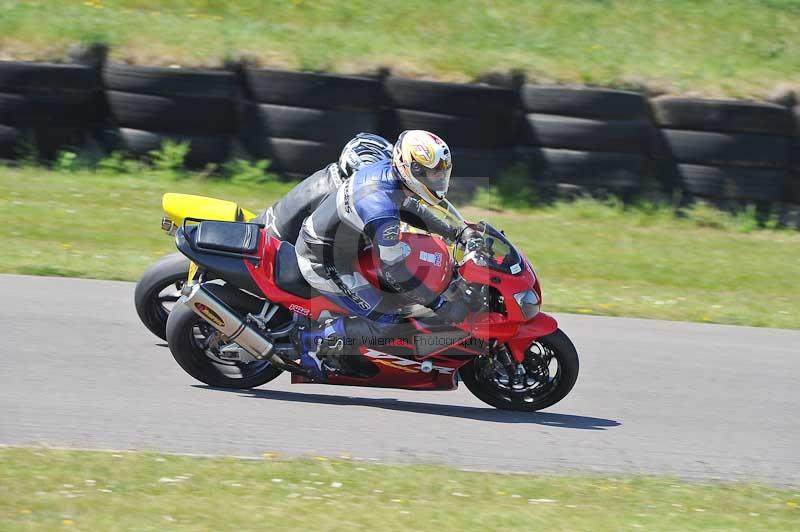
437,179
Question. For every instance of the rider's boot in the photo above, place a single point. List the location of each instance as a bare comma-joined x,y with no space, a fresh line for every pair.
318,344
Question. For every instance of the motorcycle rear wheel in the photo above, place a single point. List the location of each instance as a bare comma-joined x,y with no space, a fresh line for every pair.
556,346
157,289
186,332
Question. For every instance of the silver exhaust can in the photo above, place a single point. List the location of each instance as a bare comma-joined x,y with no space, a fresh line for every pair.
227,321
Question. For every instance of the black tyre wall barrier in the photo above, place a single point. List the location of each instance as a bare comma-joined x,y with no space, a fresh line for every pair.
49,106
616,172
335,126
176,114
11,139
592,138
473,168
209,84
303,89
794,187
295,156
726,150
585,102
23,77
732,149
723,115
202,149
450,98
300,121
149,105
469,132
480,123
732,183
624,136
481,163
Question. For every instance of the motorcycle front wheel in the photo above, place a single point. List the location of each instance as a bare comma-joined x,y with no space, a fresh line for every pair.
158,289
551,366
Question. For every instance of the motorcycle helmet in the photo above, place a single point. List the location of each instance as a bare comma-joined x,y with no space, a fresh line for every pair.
424,163
363,149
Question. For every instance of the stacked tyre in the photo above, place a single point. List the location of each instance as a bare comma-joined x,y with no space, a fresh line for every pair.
794,161
47,107
591,139
725,151
151,105
300,120
478,122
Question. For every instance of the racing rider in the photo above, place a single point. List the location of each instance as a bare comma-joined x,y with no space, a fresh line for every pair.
285,217
367,210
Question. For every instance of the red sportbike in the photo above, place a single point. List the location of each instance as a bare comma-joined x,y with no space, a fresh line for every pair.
235,324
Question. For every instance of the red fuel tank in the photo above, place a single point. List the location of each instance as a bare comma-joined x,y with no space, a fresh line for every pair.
430,262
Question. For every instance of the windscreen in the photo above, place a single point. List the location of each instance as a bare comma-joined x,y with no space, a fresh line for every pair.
493,250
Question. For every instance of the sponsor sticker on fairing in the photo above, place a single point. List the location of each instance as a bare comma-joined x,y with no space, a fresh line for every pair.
431,258
300,310
209,314
403,364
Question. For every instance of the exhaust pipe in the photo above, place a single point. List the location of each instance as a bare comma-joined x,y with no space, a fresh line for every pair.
210,307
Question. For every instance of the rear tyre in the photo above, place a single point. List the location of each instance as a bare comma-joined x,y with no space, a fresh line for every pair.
158,289
550,386
190,340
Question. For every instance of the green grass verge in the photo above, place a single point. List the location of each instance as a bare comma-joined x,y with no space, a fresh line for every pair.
592,258
99,225
599,259
732,47
81,490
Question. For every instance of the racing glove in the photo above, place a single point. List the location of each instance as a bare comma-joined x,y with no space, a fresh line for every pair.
453,304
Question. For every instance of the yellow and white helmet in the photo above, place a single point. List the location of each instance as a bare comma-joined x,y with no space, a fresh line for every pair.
424,162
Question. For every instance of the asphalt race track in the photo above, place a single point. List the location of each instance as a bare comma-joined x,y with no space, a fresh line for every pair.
77,369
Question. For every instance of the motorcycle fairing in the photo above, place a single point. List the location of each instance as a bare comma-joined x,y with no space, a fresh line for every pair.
398,362
430,261
397,368
230,267
512,328
263,273
178,207
505,283
541,325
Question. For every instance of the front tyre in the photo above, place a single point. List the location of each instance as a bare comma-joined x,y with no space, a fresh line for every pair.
158,290
551,365
195,346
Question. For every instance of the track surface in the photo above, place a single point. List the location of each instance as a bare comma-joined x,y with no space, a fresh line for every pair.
77,369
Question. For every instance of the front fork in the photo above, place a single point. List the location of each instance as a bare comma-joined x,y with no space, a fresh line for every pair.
530,331
513,353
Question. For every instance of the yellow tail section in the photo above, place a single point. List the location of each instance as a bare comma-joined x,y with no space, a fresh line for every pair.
178,207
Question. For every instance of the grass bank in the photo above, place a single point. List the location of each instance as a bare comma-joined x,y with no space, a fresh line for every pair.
80,490
717,47
592,257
